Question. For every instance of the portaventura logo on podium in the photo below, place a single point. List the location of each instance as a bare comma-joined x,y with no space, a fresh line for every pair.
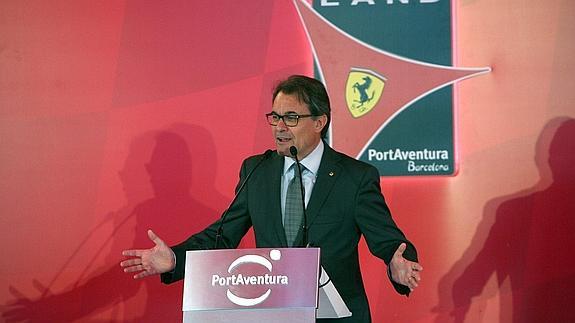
259,280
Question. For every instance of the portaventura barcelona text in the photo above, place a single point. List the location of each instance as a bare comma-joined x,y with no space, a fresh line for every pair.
425,160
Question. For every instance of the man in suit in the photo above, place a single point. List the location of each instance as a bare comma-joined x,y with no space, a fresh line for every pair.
342,197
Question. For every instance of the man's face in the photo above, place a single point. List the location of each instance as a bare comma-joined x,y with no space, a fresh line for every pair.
305,136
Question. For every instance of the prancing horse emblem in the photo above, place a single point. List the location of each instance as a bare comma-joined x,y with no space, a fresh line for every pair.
363,91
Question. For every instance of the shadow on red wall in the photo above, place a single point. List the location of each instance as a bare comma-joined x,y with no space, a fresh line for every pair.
525,239
107,294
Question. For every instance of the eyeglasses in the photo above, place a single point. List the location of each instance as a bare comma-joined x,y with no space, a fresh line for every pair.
289,120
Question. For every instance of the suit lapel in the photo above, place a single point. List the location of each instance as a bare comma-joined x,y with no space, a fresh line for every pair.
273,197
327,174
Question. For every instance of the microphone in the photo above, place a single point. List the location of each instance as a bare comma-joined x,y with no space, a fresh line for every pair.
220,230
293,152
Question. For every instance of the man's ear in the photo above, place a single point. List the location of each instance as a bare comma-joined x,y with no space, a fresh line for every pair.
320,123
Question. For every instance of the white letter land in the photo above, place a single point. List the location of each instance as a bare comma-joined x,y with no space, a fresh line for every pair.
336,3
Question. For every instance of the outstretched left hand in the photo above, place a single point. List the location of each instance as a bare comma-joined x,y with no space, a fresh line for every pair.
403,271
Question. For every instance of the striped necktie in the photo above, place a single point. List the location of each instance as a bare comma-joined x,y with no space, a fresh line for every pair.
293,208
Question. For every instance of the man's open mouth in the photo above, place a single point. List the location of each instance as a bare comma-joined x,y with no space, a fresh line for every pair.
283,139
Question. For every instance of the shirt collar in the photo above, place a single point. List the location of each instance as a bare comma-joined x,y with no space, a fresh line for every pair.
311,161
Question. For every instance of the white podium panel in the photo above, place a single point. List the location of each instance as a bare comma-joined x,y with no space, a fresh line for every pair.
251,285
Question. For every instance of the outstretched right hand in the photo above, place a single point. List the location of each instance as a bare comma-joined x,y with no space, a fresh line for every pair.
147,262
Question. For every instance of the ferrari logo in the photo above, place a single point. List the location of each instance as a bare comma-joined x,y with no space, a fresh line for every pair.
362,91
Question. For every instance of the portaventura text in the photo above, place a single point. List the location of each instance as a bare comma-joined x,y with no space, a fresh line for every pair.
398,154
240,279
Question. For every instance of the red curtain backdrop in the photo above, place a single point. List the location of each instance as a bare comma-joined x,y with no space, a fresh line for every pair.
119,116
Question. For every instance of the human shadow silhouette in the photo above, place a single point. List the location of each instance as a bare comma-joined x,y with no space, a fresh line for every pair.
530,234
172,211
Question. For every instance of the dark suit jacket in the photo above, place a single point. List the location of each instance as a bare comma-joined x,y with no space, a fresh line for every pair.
346,203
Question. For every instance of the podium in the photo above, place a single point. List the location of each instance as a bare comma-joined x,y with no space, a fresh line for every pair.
251,285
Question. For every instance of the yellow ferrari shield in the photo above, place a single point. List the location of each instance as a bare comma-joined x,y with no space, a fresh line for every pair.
362,91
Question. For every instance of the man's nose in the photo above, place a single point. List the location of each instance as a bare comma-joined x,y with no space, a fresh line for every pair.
281,124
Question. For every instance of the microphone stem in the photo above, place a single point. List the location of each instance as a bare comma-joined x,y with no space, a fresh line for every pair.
304,224
220,230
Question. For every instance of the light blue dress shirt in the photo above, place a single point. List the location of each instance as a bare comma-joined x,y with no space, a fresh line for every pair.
311,163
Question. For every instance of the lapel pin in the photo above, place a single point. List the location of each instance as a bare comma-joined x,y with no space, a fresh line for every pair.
331,173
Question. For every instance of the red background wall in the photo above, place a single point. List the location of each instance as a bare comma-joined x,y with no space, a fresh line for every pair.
120,116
